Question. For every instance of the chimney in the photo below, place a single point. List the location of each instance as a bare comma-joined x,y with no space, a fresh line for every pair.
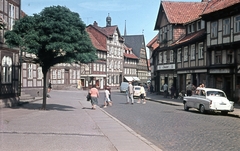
95,23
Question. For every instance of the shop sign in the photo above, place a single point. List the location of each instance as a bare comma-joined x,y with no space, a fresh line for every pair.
166,67
219,71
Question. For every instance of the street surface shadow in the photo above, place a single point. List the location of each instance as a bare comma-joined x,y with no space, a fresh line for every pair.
89,108
211,113
37,106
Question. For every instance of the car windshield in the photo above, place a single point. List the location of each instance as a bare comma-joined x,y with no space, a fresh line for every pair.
215,93
137,88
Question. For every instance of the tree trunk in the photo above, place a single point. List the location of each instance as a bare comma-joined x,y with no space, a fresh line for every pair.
44,90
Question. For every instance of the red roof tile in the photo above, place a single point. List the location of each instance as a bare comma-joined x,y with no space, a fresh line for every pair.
95,42
183,12
153,43
216,5
189,37
132,56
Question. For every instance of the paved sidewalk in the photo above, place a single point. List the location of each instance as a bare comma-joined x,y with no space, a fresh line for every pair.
161,99
66,126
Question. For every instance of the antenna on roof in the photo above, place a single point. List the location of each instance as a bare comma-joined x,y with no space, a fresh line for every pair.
143,31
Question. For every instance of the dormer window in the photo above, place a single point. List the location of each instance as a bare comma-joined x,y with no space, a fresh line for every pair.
191,28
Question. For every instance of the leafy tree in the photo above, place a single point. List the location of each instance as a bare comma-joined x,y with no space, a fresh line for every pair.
55,35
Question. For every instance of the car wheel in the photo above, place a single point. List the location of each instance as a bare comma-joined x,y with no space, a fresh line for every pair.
202,109
186,108
224,112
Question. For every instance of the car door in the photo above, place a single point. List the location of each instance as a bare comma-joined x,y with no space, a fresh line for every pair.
201,99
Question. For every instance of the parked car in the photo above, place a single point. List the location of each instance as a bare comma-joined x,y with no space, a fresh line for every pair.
208,99
123,87
136,90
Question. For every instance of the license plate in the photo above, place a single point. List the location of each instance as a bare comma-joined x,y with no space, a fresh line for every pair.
222,103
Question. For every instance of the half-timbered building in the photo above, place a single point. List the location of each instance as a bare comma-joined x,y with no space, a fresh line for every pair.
223,40
10,11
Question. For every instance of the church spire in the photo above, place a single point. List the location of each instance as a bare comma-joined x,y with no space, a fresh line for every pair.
125,29
108,20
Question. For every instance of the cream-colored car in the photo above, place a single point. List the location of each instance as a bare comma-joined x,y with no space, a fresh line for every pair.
208,99
136,91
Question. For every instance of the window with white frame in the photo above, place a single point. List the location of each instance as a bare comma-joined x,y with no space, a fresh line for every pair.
237,24
59,74
218,57
189,29
74,74
185,54
11,15
230,58
226,26
94,67
193,27
30,71
6,69
54,74
97,68
200,50
101,67
179,55
170,32
40,75
214,29
165,57
119,65
160,57
199,25
171,55
193,53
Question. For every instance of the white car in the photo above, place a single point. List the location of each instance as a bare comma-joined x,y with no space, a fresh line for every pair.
208,99
136,91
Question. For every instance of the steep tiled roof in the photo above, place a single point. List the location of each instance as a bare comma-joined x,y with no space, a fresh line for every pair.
183,12
153,43
216,5
189,37
135,42
108,31
95,42
132,56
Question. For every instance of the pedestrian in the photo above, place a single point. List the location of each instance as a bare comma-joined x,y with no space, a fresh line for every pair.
165,89
130,93
94,96
151,88
110,97
49,86
172,89
189,89
142,95
107,100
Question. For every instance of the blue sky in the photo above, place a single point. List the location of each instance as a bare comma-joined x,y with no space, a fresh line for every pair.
140,15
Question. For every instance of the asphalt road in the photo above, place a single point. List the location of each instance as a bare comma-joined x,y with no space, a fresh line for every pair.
173,129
